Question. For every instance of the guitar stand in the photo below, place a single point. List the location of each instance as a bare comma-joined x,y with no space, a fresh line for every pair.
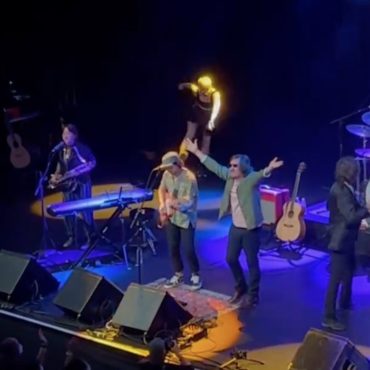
296,250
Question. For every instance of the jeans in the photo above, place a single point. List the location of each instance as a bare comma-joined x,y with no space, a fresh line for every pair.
83,191
342,266
249,241
175,236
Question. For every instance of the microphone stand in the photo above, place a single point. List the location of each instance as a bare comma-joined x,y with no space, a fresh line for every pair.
340,122
140,225
39,193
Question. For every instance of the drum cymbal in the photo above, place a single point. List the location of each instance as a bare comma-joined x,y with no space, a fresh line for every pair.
359,130
363,152
366,118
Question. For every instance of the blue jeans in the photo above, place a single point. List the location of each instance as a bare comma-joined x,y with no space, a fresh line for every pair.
249,241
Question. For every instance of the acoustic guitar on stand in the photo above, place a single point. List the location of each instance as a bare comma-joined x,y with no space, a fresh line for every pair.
291,226
19,156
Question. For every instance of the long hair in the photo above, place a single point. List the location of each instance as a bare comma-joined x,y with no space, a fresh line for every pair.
346,170
244,163
71,128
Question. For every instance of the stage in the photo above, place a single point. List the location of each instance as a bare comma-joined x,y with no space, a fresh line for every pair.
292,293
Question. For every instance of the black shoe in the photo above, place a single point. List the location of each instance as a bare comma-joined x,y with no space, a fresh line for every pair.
70,242
333,324
250,302
237,297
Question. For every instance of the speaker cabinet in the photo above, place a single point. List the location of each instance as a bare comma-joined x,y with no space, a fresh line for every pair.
89,297
22,279
146,310
325,351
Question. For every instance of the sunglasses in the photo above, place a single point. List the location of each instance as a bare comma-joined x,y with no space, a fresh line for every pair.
233,165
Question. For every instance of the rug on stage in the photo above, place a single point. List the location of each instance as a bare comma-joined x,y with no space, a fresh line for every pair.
202,303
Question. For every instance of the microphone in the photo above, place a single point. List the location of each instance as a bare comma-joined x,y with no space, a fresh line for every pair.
162,167
57,147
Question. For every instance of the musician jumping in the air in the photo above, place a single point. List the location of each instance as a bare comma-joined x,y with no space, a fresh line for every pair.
205,110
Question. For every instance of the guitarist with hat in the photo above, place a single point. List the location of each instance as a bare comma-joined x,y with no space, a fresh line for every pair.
72,175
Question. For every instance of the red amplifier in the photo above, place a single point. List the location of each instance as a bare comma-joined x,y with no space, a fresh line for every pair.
272,201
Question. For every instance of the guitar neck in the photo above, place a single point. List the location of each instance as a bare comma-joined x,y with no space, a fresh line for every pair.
295,189
79,170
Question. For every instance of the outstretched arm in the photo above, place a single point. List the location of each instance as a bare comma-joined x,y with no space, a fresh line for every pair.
211,164
215,110
188,85
266,172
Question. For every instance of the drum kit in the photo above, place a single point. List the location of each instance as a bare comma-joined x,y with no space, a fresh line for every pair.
363,153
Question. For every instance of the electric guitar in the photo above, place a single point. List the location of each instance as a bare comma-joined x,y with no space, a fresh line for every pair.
170,210
19,156
291,226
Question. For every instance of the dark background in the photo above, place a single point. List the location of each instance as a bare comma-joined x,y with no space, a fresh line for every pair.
285,69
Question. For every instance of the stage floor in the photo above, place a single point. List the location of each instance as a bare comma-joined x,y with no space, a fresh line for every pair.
292,290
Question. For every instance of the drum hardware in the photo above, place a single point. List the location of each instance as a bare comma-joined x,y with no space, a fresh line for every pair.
366,118
341,121
363,132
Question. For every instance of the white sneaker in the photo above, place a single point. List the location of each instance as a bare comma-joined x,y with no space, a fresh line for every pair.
176,280
195,282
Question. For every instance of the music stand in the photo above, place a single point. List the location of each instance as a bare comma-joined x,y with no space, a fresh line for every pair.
39,193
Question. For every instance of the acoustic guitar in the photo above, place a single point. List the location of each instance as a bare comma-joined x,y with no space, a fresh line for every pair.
19,156
291,226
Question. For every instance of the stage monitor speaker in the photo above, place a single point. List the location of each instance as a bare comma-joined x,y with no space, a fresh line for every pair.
146,310
89,297
22,279
325,351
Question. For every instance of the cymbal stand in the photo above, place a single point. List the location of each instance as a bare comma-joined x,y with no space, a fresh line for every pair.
362,177
341,121
364,144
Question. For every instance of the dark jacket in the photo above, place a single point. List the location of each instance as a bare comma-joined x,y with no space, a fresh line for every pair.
345,215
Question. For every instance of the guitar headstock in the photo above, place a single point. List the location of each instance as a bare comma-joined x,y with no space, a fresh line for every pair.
301,167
